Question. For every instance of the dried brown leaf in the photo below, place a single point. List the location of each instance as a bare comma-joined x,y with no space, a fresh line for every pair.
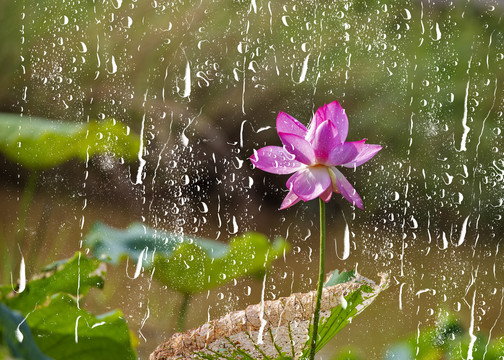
243,328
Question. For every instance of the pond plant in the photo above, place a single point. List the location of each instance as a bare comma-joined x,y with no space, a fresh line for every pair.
39,144
448,339
276,329
44,319
312,154
185,263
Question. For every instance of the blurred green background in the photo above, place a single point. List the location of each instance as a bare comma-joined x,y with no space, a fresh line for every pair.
423,79
201,83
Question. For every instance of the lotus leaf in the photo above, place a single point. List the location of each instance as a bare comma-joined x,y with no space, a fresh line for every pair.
50,310
13,328
41,143
58,277
185,263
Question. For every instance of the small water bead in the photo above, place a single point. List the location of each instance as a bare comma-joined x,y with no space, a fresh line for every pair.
185,180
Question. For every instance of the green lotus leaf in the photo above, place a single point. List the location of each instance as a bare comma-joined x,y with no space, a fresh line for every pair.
41,143
191,269
49,306
339,278
184,263
74,276
65,331
139,241
16,336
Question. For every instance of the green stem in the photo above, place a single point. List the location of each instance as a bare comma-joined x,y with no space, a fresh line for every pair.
26,199
5,256
320,286
183,313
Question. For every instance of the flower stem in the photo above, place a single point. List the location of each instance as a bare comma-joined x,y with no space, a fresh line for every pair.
24,207
183,313
320,286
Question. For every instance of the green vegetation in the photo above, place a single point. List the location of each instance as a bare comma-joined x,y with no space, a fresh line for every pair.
187,264
52,324
184,263
400,69
447,340
41,143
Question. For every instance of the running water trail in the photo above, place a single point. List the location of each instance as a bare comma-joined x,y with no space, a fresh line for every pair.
464,117
261,314
22,277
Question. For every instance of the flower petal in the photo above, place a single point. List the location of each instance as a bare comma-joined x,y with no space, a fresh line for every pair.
344,153
310,182
326,195
290,200
287,124
299,147
324,141
337,116
365,152
276,160
346,189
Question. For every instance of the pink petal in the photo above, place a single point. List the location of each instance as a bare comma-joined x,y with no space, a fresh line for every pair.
287,124
365,152
312,128
276,160
336,115
299,147
346,189
326,195
344,153
290,200
324,141
310,182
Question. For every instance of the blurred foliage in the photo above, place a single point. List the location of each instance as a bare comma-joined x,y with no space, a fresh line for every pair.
12,328
447,340
41,143
338,278
421,79
184,263
48,306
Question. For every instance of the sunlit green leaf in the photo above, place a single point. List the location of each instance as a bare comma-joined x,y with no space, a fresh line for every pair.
41,143
114,245
64,331
185,263
191,269
50,305
74,276
339,278
16,336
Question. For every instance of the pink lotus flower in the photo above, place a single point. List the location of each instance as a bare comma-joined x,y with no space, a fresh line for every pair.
312,155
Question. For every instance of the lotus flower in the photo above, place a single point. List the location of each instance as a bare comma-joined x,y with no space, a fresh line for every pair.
312,155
